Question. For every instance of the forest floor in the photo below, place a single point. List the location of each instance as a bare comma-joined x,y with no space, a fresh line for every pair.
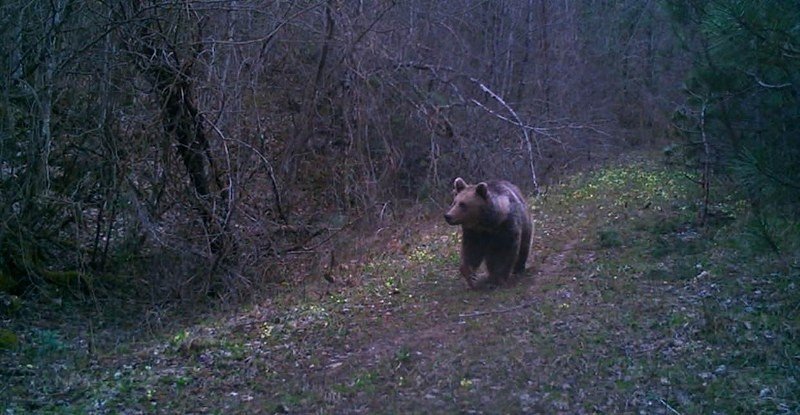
627,307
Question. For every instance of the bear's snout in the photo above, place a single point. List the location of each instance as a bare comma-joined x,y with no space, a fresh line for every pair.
449,219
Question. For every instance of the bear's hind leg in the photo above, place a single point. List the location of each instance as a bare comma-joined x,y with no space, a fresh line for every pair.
524,249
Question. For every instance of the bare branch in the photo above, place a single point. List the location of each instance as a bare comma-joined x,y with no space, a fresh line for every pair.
522,128
766,85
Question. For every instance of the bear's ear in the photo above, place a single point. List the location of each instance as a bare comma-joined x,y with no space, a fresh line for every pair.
459,184
482,190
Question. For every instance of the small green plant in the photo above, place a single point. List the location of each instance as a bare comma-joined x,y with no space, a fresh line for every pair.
45,344
402,355
609,238
179,337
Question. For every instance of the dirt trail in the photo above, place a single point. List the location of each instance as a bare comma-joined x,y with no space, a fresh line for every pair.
445,322
554,263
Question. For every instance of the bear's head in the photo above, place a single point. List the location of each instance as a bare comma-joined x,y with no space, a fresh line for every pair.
469,203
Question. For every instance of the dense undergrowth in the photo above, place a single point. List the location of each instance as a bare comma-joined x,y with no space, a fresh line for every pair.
628,307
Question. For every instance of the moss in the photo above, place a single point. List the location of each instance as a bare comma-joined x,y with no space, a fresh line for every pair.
8,340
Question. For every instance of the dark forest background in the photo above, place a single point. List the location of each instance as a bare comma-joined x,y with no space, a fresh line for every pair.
207,147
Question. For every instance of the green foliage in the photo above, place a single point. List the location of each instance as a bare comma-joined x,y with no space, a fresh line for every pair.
44,344
769,176
743,96
771,233
734,333
635,185
8,340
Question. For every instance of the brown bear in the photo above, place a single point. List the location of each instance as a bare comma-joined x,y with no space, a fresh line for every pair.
496,228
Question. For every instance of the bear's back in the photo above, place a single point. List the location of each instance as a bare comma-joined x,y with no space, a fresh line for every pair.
506,188
507,206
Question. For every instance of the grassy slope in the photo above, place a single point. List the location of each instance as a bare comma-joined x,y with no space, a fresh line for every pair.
627,308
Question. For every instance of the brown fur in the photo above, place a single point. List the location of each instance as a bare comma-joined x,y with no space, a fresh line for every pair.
496,228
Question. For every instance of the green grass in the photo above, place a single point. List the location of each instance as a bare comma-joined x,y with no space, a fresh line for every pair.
629,307
738,328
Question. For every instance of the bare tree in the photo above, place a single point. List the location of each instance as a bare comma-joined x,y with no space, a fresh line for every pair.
232,136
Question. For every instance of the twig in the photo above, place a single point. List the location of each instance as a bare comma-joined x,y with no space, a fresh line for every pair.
766,85
669,407
501,311
231,194
271,172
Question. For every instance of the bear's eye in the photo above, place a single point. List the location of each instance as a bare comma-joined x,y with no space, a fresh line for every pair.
462,205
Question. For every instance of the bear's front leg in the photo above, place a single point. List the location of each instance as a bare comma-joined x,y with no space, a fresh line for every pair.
472,254
470,274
